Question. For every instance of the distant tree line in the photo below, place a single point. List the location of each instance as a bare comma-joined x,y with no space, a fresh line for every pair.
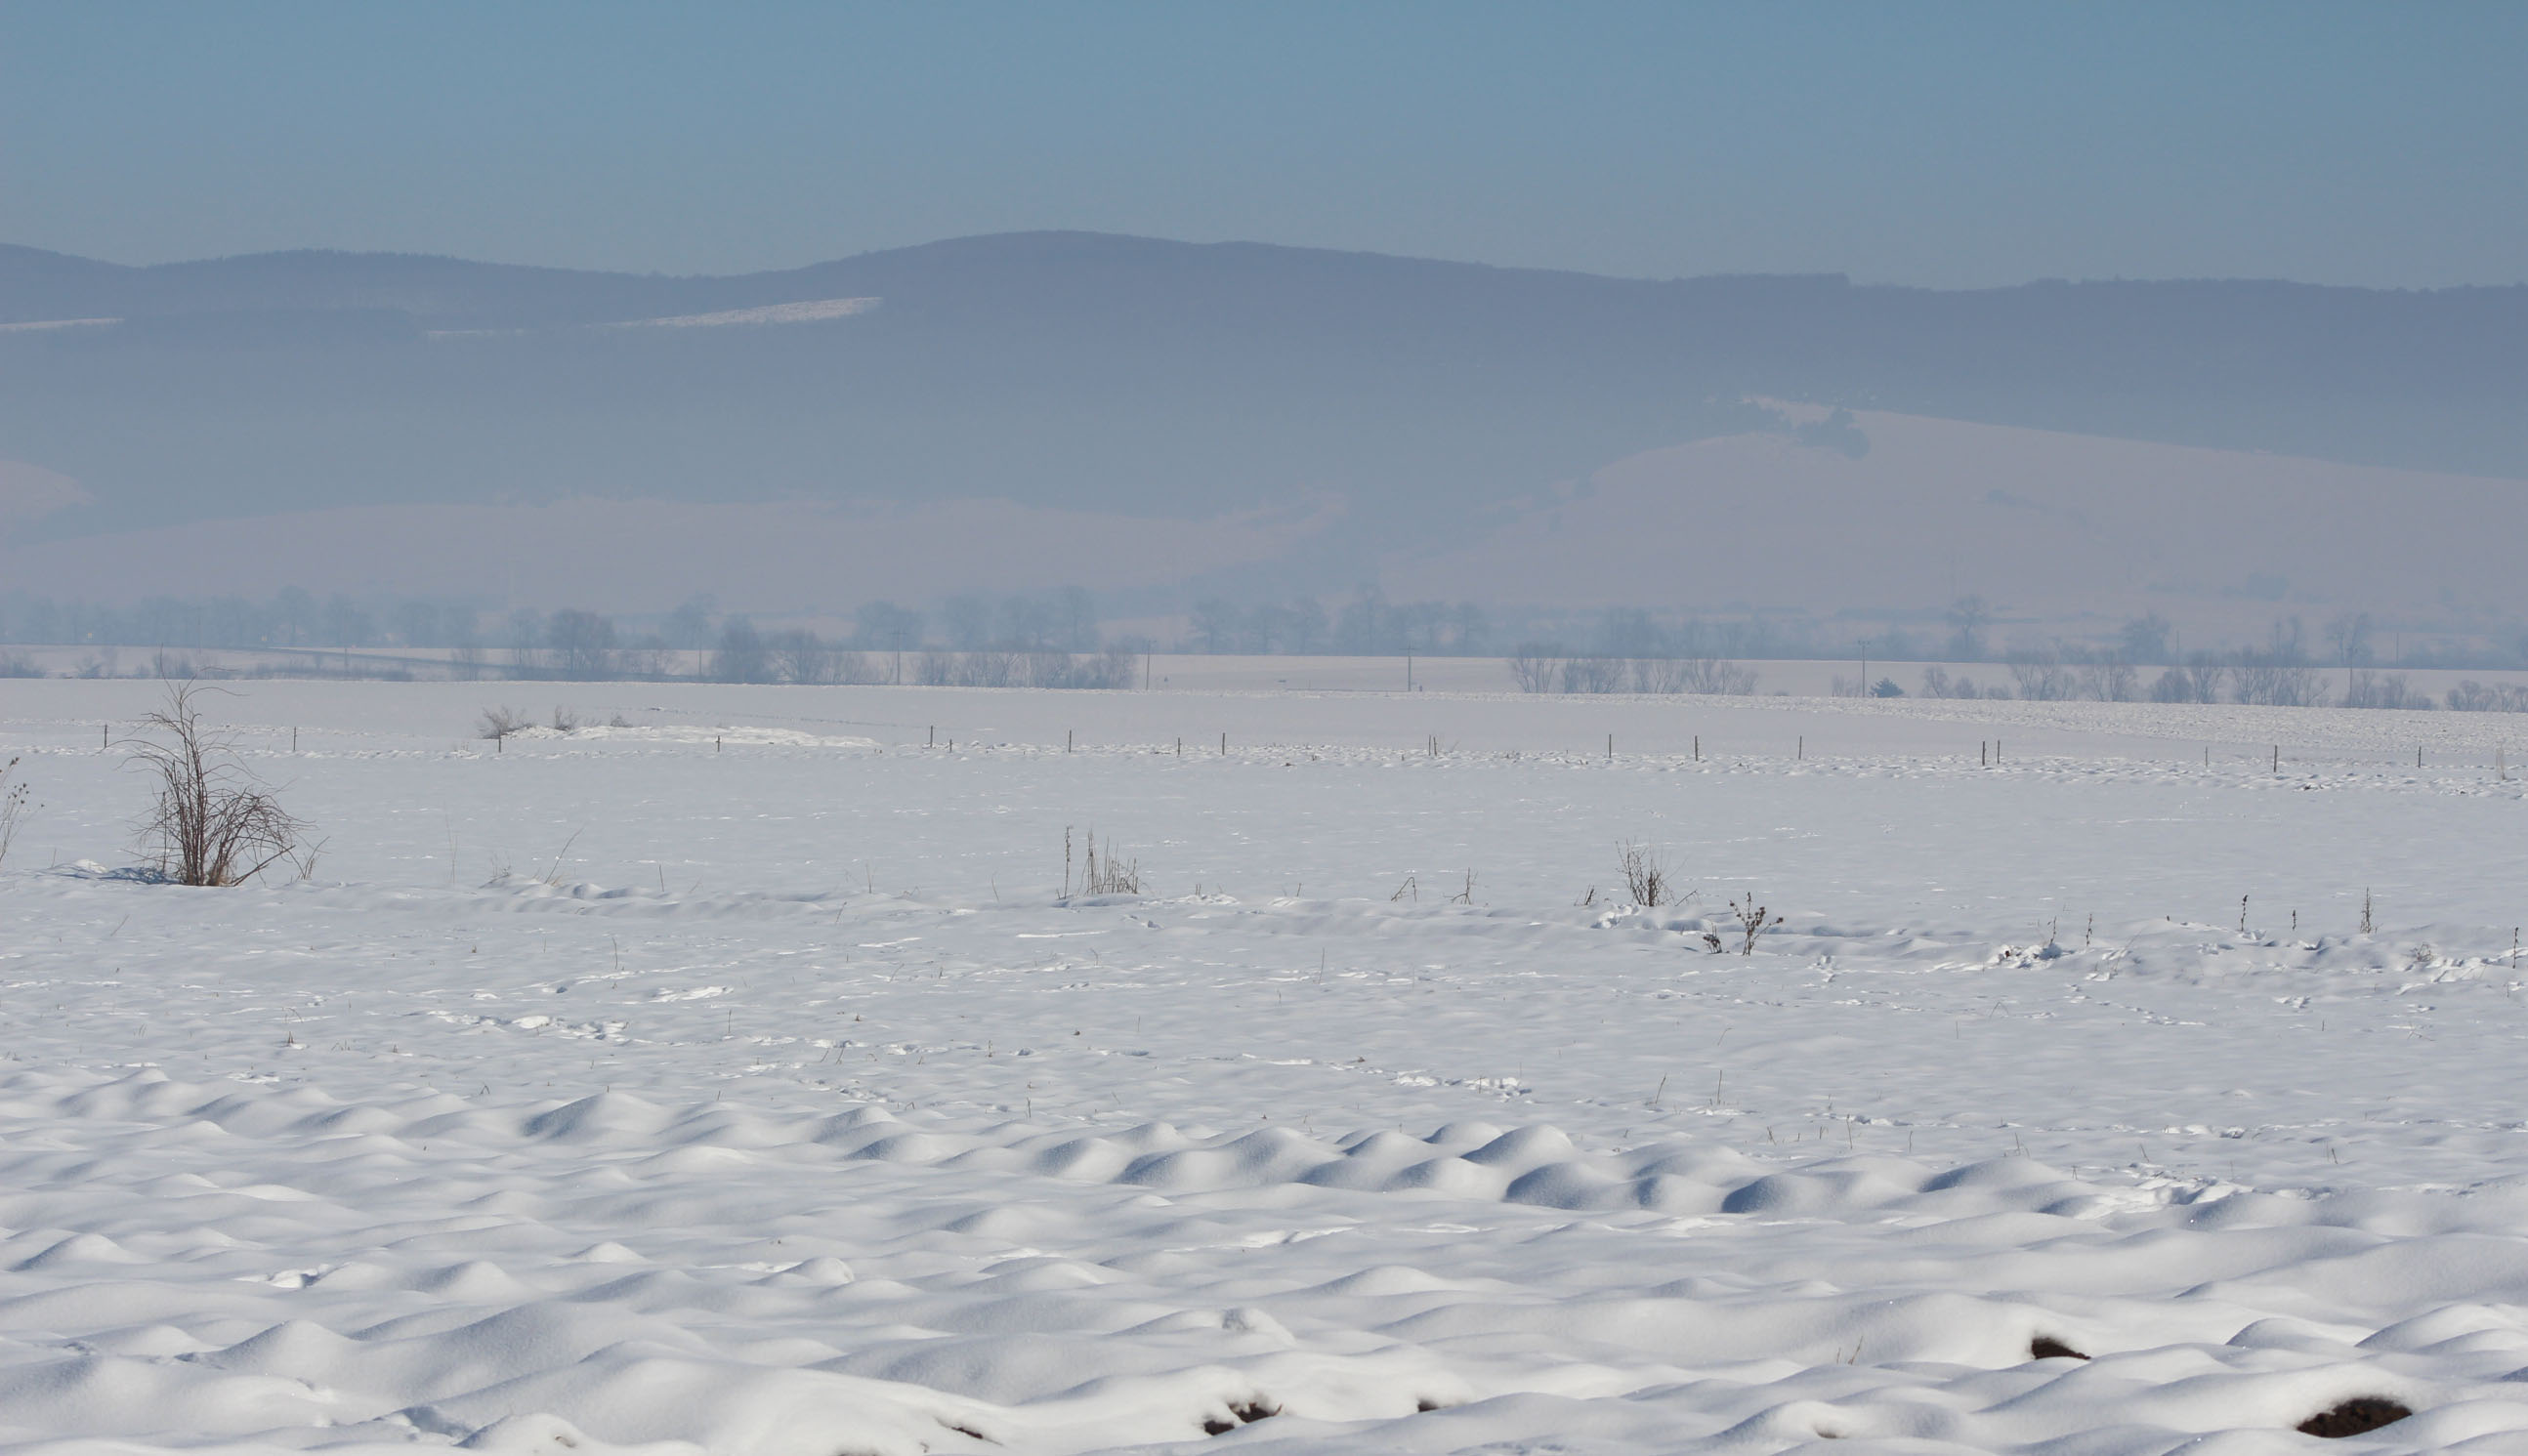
1368,625
1619,649
1540,669
1052,640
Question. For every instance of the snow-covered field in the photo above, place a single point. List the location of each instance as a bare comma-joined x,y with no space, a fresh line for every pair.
741,1077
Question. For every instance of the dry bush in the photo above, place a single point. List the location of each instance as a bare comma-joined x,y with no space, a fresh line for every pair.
1105,874
213,823
1108,876
1645,877
500,722
1753,921
14,805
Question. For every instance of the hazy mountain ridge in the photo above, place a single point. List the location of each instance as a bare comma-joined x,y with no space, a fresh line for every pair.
1148,377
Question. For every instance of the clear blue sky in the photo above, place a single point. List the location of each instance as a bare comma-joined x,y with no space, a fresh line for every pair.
1951,145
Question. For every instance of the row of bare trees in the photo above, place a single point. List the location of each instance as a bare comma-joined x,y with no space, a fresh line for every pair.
1116,667
1541,668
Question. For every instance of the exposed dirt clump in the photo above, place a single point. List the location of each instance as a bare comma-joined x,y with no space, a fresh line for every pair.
2355,1416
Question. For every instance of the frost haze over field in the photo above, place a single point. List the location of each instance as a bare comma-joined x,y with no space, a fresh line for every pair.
741,1079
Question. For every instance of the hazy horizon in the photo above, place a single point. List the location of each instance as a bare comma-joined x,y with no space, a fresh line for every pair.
1962,144
286,250
1803,313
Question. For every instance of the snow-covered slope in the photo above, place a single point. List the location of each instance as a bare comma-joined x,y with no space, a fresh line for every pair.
1917,512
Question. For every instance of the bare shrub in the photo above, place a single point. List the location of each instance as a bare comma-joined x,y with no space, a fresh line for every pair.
1751,921
213,823
14,805
1646,879
1108,876
564,720
499,723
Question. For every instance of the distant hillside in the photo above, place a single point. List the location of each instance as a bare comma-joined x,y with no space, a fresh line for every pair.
1127,377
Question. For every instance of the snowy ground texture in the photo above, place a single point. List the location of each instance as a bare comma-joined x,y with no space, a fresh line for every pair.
743,1081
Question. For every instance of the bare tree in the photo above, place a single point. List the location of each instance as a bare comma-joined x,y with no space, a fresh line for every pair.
887,627
500,722
741,657
2280,674
1715,675
1215,621
214,823
2112,680
798,655
1658,675
2365,688
2145,638
1533,666
2041,675
582,642
2204,671
1968,617
2348,638
1593,675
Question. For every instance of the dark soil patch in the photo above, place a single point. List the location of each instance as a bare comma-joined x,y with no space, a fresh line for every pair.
1247,1410
2353,1417
2047,1347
